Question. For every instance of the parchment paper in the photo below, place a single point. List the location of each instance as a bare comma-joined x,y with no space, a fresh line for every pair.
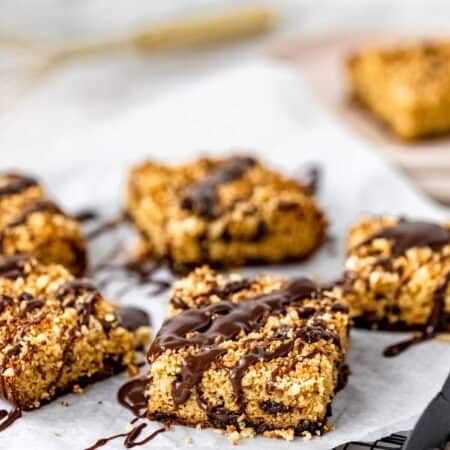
267,110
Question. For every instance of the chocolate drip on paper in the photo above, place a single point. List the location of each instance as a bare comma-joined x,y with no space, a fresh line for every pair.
104,227
17,184
132,396
311,178
137,272
85,215
202,198
130,437
8,418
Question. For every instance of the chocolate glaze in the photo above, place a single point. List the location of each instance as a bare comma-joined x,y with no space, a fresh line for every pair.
224,320
256,354
209,326
191,373
30,305
13,266
38,206
17,184
435,323
223,292
132,318
5,300
201,197
408,234
75,287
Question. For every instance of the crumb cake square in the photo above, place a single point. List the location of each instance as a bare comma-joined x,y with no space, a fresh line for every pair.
31,223
397,273
260,355
56,332
222,212
406,87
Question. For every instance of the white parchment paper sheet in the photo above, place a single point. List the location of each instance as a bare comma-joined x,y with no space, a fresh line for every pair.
267,110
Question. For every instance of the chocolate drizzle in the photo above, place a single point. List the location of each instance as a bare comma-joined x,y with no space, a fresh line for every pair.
409,234
311,179
38,206
13,266
16,184
224,320
85,215
8,418
201,197
132,396
75,287
130,437
191,373
258,353
139,272
104,227
436,322
211,325
132,318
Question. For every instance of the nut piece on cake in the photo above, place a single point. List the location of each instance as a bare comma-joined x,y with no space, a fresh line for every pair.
56,332
406,87
397,273
263,355
31,223
222,212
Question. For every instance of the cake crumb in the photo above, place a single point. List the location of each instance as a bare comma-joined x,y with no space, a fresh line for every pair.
286,434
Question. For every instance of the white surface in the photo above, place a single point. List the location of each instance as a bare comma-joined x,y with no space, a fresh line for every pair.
90,92
266,109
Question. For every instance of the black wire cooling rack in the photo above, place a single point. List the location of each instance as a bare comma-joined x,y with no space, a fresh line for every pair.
393,442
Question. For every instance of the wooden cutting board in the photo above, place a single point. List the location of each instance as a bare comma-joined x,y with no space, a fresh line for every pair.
322,63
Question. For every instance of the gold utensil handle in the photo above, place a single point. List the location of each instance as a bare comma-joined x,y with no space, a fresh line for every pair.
200,31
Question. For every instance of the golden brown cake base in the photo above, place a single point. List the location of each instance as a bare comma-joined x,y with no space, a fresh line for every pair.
56,332
31,223
222,212
408,88
397,273
262,355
